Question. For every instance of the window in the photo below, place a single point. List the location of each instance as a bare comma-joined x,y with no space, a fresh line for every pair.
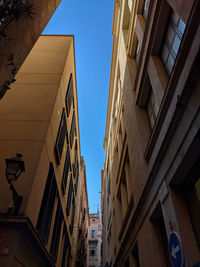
73,215
46,209
69,196
151,109
72,130
62,132
127,263
67,169
92,251
66,248
93,233
56,232
172,41
76,167
135,256
146,9
137,53
69,98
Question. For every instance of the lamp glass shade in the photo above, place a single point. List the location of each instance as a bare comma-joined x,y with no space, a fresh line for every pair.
14,167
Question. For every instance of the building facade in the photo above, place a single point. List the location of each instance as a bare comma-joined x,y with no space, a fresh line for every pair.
39,119
150,180
81,225
21,23
94,241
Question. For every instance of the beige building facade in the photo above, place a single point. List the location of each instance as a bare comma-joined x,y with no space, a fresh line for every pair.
94,241
39,119
150,181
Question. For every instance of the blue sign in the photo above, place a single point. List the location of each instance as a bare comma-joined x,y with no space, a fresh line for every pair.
175,250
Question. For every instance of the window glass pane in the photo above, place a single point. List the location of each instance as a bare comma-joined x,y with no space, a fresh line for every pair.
69,98
69,196
46,209
152,121
56,232
66,170
146,8
93,233
170,35
170,64
151,109
138,50
181,26
62,132
165,53
176,44
172,41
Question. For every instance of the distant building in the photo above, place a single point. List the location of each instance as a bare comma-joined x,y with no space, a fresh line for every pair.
81,224
151,176
39,119
94,241
19,30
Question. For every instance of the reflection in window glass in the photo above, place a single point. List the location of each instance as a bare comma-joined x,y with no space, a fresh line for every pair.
151,109
172,41
137,54
146,9
93,233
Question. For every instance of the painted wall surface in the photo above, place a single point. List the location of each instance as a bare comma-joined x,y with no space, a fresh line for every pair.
143,178
94,240
30,119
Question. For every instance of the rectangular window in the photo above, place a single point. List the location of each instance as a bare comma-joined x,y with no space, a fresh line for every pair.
172,41
67,169
72,130
135,256
73,215
151,109
76,167
62,132
69,196
46,209
93,233
137,53
66,248
92,251
146,9
56,232
69,98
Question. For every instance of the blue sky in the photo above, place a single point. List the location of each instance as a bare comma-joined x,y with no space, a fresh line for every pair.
90,21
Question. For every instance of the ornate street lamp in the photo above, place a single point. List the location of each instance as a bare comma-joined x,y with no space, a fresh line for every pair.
14,168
